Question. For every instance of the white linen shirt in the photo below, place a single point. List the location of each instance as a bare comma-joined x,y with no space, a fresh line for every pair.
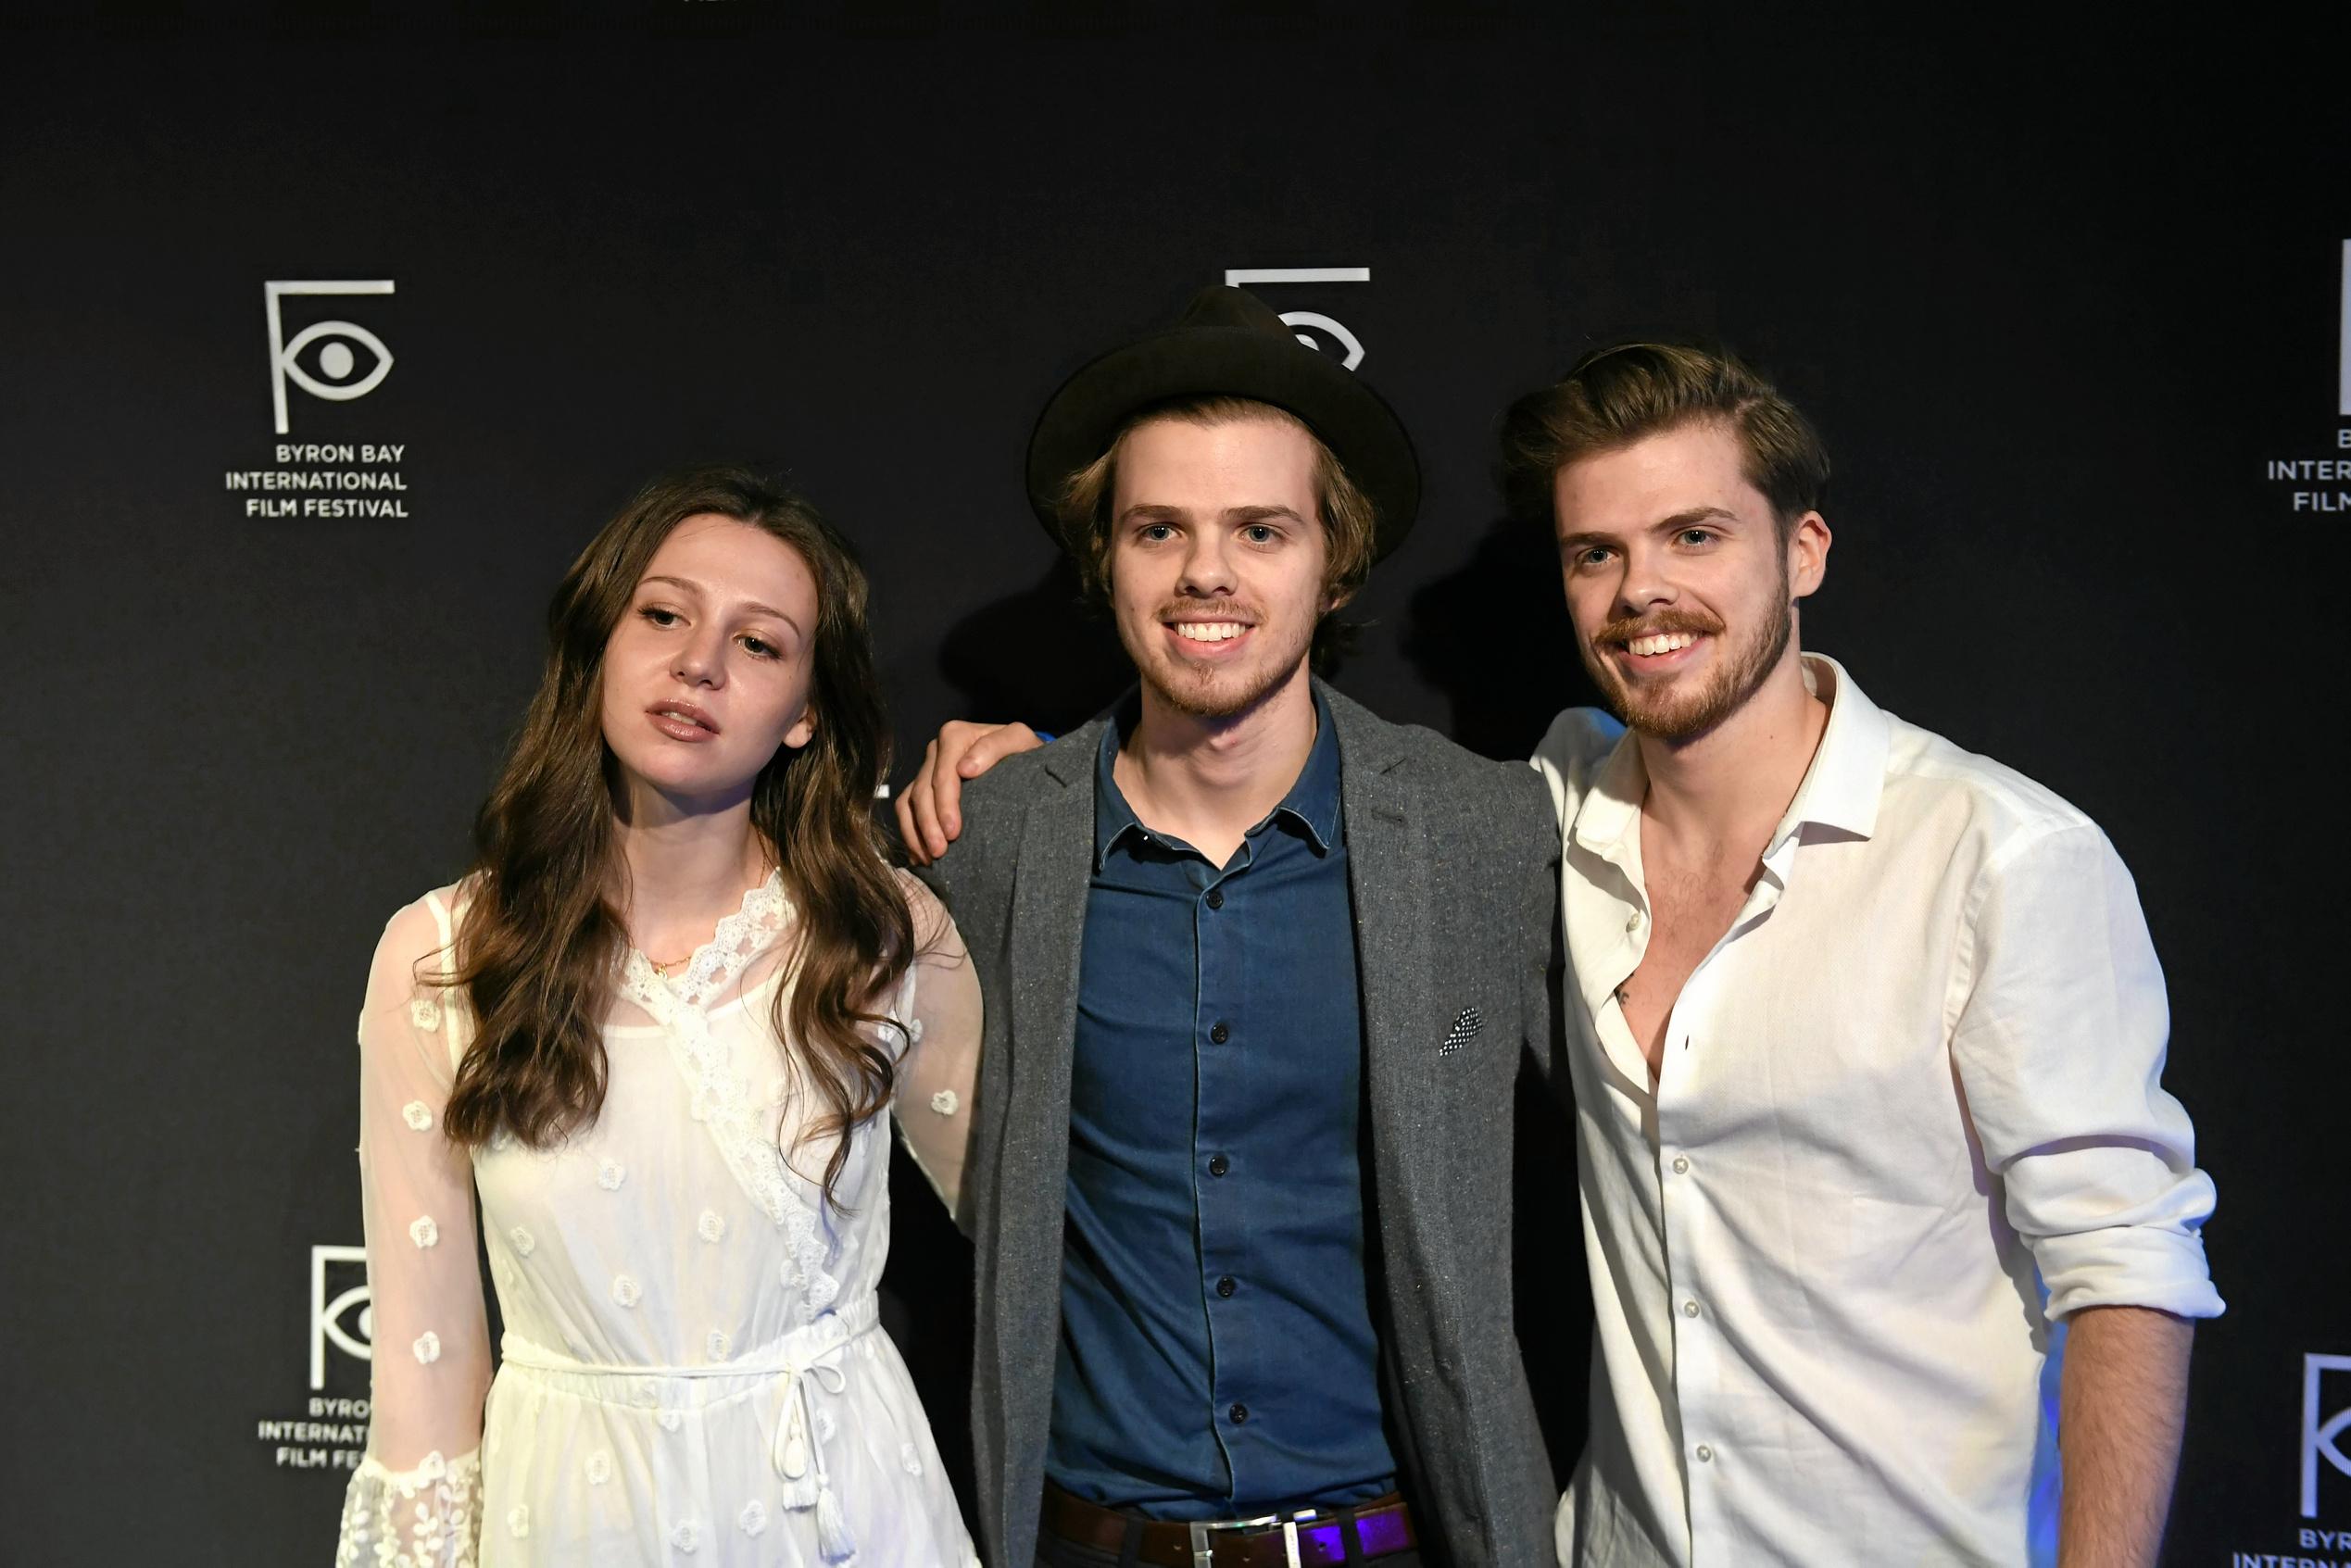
1907,1118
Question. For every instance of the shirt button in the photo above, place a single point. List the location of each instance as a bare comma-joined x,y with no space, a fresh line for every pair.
1690,1309
1682,1165
1226,1285
1705,1454
1218,1165
1222,1033
1215,897
1632,920
1240,1414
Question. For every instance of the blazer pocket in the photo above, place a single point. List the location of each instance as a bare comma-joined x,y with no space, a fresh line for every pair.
1465,1026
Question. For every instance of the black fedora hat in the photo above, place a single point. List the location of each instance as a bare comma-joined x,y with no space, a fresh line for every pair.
1228,344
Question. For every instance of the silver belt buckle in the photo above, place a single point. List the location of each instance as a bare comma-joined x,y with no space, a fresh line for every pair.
1203,1543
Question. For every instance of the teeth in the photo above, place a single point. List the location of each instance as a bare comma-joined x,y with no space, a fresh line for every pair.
683,719
1210,631
1669,642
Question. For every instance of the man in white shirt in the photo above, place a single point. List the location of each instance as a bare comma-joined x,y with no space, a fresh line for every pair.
1867,1064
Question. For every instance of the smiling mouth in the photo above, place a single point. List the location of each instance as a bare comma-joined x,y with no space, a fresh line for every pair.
1660,643
1207,630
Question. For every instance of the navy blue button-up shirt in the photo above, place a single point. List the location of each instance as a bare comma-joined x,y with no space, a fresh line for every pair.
1217,1356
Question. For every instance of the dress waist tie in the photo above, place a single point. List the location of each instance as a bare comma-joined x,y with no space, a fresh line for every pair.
811,1352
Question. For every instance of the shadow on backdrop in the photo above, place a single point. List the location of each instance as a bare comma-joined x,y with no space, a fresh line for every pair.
1494,637
1042,655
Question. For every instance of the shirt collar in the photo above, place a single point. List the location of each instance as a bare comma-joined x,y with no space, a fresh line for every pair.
1840,789
1313,800
1848,773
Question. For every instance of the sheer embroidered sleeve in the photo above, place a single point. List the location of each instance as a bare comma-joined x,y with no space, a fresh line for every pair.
942,1012
415,1500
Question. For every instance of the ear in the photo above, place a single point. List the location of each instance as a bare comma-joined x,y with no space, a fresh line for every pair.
1807,554
800,733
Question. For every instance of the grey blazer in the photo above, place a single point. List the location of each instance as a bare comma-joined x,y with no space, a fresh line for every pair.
1455,868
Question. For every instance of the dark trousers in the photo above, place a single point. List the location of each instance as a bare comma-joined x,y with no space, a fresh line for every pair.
1053,1552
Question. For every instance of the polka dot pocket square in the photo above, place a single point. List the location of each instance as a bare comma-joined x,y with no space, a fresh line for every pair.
1465,1026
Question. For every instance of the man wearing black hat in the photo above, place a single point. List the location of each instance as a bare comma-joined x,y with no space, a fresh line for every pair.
1260,967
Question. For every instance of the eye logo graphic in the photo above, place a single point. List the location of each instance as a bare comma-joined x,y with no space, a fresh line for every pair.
327,1313
335,360
1349,346
2321,1436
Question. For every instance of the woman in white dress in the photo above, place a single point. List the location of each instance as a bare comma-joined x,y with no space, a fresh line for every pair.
657,1029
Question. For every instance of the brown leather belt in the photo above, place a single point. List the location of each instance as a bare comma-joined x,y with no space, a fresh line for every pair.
1382,1526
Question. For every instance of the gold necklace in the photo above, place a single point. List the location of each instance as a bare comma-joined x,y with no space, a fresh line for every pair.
663,966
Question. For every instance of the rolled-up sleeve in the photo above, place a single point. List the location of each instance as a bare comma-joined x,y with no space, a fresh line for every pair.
2060,1039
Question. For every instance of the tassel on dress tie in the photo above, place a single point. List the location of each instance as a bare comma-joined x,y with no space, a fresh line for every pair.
799,1455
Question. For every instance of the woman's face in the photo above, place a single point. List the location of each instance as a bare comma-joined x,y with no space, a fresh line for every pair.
708,672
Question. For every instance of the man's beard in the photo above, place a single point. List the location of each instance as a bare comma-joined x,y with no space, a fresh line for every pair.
1670,716
1213,693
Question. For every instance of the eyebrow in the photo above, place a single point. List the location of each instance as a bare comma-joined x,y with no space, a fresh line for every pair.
1233,514
1679,519
754,607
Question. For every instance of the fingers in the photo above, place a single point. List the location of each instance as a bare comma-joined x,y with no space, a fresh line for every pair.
930,811
905,818
956,739
918,817
997,743
974,749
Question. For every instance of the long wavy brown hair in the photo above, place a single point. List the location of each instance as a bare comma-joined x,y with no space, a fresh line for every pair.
543,939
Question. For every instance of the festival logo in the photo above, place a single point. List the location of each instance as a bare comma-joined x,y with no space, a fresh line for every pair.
332,372
2326,1420
341,1314
1315,329
2321,482
2321,1534
328,1430
330,481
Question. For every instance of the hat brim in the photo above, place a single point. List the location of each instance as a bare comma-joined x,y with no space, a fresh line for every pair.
1082,419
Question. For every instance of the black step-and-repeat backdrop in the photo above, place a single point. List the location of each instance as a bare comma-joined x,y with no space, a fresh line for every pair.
324,344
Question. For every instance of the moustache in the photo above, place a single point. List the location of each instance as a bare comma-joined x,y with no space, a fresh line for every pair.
1211,610
1665,622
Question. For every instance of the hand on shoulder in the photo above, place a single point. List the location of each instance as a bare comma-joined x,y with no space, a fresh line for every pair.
930,808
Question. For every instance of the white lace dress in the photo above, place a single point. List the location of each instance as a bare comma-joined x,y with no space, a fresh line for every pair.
691,1372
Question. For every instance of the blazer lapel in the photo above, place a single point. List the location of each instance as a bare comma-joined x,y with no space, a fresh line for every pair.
1389,874
1050,885
1049,928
